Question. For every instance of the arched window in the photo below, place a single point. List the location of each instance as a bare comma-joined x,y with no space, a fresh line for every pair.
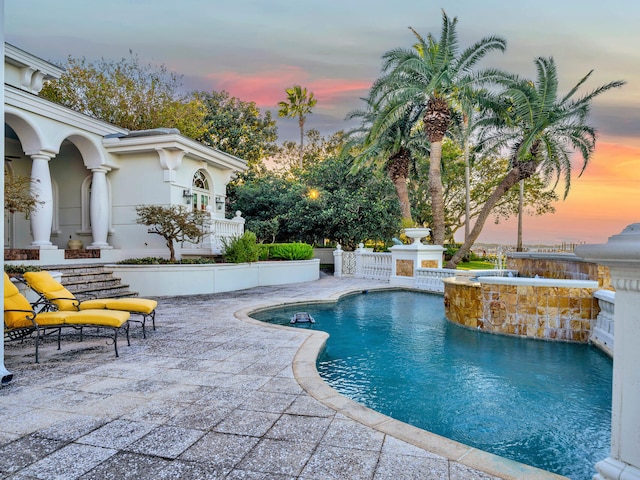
201,193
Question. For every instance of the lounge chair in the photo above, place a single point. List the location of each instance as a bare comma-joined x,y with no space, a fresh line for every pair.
21,321
53,292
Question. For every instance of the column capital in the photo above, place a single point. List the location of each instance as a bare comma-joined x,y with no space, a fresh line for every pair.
42,155
101,169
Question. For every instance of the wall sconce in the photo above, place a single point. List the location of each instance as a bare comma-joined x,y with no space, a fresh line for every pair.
187,194
219,202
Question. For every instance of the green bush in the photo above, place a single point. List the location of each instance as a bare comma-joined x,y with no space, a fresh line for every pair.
286,251
164,261
20,269
291,251
241,249
450,251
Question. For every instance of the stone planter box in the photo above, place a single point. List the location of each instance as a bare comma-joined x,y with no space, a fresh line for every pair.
164,280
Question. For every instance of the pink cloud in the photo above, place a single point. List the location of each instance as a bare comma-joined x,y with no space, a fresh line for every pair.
267,88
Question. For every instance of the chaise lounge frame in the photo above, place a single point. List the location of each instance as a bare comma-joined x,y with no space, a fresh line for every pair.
21,327
54,295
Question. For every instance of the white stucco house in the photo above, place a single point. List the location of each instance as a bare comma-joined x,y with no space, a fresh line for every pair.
90,175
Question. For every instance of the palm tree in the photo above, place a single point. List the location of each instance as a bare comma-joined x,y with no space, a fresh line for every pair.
429,76
393,148
298,104
540,131
464,125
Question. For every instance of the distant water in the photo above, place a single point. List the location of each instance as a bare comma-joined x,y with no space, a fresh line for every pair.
546,404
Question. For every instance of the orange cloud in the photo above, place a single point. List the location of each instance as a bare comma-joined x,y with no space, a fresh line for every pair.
604,200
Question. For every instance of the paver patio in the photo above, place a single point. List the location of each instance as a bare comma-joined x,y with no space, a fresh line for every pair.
205,396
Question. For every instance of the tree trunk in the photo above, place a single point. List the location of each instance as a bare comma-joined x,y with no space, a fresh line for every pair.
398,167
507,182
520,212
467,186
172,252
403,196
301,123
435,191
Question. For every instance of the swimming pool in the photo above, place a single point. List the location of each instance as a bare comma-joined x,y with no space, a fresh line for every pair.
546,404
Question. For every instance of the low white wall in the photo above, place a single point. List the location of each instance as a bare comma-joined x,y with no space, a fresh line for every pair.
164,280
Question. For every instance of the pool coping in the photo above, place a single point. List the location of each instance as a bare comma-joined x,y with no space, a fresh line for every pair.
307,376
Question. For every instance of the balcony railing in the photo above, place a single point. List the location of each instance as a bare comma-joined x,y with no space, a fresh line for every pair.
221,229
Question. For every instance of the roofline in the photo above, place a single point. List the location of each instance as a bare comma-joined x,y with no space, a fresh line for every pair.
32,103
21,58
168,139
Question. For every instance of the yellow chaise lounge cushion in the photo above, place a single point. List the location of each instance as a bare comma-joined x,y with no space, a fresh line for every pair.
139,305
99,318
46,285
14,300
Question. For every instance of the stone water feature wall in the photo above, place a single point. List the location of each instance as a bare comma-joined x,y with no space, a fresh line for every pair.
559,266
532,308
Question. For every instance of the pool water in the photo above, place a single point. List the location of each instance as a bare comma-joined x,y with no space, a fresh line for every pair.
546,404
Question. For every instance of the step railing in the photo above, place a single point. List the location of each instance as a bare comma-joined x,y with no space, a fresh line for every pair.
430,279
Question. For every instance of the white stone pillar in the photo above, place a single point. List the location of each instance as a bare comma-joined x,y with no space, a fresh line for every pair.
358,253
337,261
407,258
99,208
42,215
622,255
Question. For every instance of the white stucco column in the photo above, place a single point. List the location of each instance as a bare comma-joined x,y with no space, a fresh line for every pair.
99,209
337,261
5,375
622,255
42,215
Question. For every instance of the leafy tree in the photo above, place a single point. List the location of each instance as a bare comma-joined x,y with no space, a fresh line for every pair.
486,173
238,128
351,207
18,196
428,77
128,94
174,223
316,149
540,131
325,200
298,104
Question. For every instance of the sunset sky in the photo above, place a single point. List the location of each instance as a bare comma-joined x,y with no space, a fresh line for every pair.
256,48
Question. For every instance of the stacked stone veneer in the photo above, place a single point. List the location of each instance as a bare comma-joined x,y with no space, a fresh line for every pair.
544,312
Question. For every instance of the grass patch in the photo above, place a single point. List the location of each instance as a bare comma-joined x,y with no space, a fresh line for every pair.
476,265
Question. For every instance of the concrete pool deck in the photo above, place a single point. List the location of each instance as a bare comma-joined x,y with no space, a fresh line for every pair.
213,394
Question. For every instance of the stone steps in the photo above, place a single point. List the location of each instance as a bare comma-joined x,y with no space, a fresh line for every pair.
91,280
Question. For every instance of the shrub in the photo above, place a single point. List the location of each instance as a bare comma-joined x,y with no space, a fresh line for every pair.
241,249
13,270
450,251
164,261
287,251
